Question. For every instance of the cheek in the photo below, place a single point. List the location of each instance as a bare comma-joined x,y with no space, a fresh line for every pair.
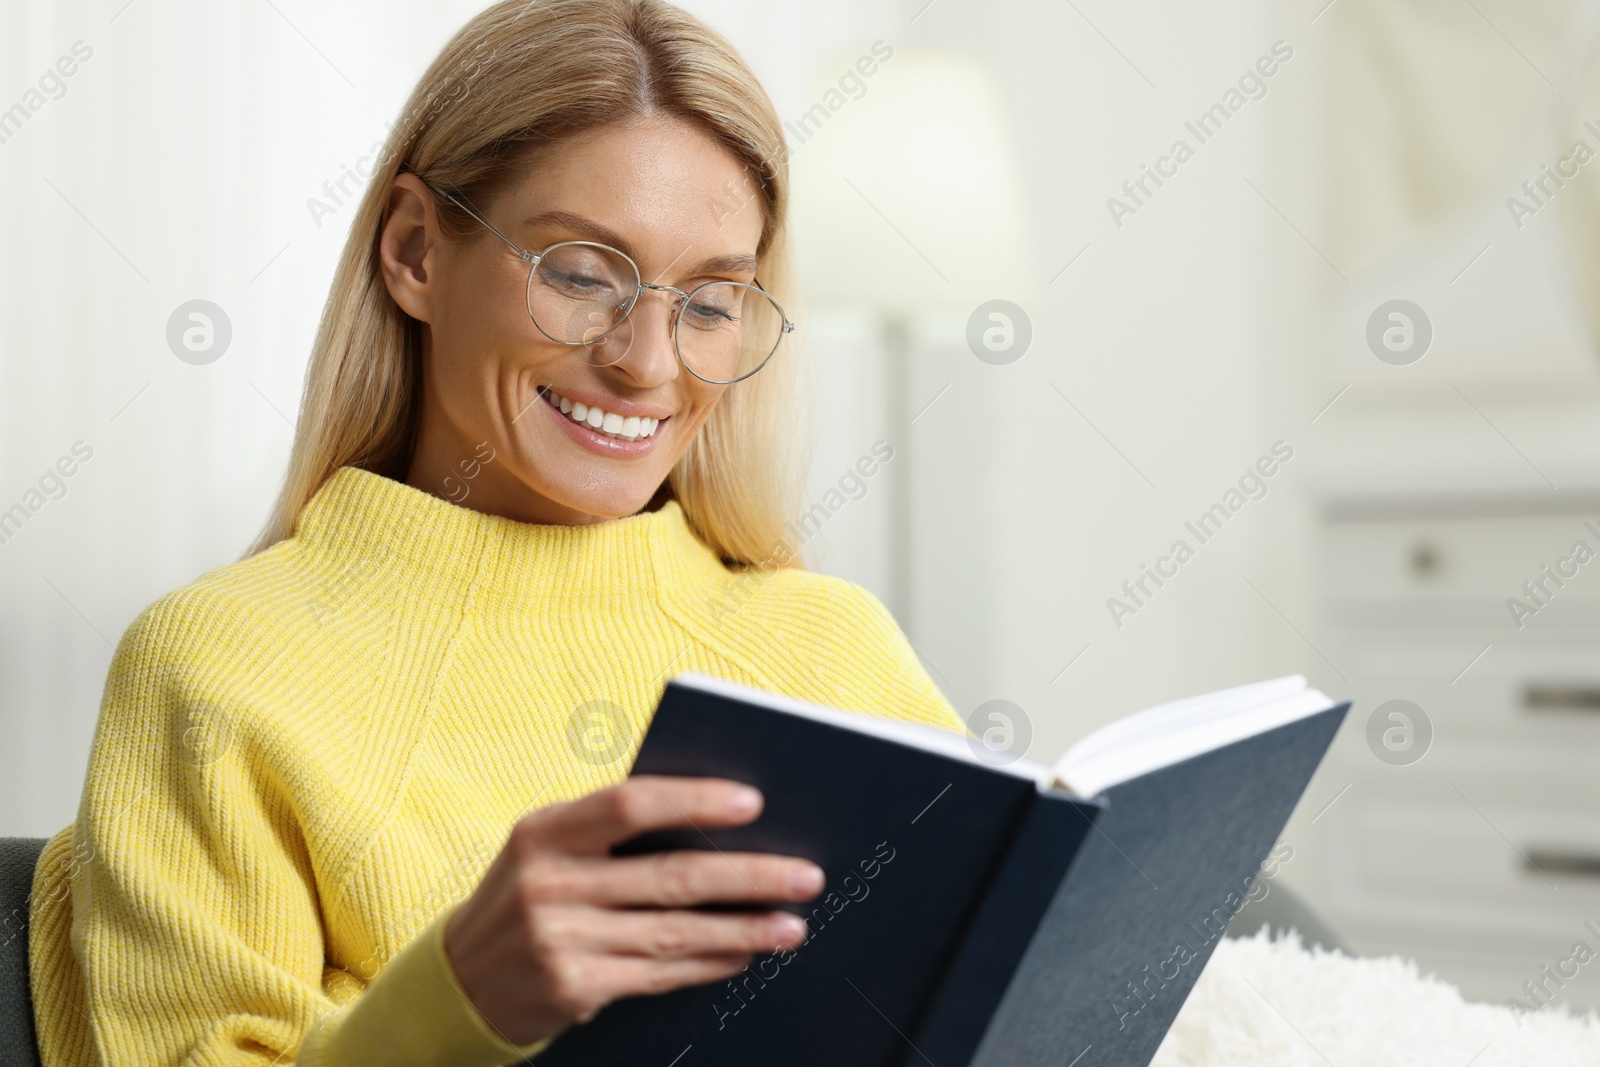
483,333
487,305
704,399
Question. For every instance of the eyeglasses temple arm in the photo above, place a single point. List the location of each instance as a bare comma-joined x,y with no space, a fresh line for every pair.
788,327
518,249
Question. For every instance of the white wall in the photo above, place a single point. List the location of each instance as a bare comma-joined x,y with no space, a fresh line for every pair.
1166,359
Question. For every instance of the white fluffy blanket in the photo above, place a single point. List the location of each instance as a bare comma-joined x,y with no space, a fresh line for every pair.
1262,1001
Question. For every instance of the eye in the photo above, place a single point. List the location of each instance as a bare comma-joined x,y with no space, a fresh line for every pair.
587,273
576,284
714,306
705,315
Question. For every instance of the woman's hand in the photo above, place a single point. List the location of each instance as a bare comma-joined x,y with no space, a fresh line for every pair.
559,928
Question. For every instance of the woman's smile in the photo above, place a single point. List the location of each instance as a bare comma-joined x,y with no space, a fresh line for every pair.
605,425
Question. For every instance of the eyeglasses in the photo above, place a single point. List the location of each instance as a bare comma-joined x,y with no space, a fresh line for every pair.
582,294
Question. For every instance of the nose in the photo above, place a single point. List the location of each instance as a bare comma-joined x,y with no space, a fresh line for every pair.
649,357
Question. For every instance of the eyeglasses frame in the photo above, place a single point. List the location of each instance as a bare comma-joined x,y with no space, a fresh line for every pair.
533,258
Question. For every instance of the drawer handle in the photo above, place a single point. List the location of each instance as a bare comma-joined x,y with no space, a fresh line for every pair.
1561,698
1555,861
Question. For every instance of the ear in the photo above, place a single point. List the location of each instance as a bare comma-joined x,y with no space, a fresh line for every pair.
409,246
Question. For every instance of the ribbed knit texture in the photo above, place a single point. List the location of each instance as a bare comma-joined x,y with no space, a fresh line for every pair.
305,761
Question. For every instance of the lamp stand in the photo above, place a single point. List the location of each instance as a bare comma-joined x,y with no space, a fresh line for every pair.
897,406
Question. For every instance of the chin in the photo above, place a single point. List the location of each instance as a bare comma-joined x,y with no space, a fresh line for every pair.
580,491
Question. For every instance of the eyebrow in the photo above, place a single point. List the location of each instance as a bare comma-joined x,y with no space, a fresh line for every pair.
732,263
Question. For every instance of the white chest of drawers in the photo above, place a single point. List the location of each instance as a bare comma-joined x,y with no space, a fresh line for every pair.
1481,858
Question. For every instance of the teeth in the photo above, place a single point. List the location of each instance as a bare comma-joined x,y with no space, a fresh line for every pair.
626,428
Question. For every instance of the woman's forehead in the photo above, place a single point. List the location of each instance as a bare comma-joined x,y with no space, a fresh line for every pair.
659,189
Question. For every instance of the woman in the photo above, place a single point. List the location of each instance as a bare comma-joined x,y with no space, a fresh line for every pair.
351,799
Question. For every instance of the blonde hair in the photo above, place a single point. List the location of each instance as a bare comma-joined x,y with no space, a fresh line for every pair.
518,78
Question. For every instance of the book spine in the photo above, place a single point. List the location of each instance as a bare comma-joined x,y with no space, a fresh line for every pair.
975,981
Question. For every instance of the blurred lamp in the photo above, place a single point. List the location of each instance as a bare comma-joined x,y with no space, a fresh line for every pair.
907,196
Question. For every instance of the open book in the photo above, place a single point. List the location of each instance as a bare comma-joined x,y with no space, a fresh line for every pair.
978,911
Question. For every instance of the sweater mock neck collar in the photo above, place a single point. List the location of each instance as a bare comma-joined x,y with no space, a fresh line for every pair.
378,521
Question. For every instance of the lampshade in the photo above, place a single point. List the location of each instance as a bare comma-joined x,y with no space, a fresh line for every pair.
906,189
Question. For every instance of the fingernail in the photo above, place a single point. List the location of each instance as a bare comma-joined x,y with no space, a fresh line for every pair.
786,928
744,800
806,880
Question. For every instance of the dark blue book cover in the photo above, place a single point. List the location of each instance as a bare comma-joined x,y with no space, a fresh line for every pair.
950,885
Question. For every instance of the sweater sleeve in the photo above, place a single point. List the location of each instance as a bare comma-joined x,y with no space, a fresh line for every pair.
196,922
415,1004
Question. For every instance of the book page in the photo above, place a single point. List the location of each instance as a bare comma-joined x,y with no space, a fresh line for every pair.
1136,744
1170,733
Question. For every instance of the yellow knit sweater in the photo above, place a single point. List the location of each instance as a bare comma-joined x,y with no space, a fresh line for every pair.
305,761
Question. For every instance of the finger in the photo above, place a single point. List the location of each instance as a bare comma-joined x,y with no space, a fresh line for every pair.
644,803
684,878
671,934
628,976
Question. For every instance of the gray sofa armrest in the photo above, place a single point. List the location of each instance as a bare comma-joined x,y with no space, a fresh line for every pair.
1282,910
18,1041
